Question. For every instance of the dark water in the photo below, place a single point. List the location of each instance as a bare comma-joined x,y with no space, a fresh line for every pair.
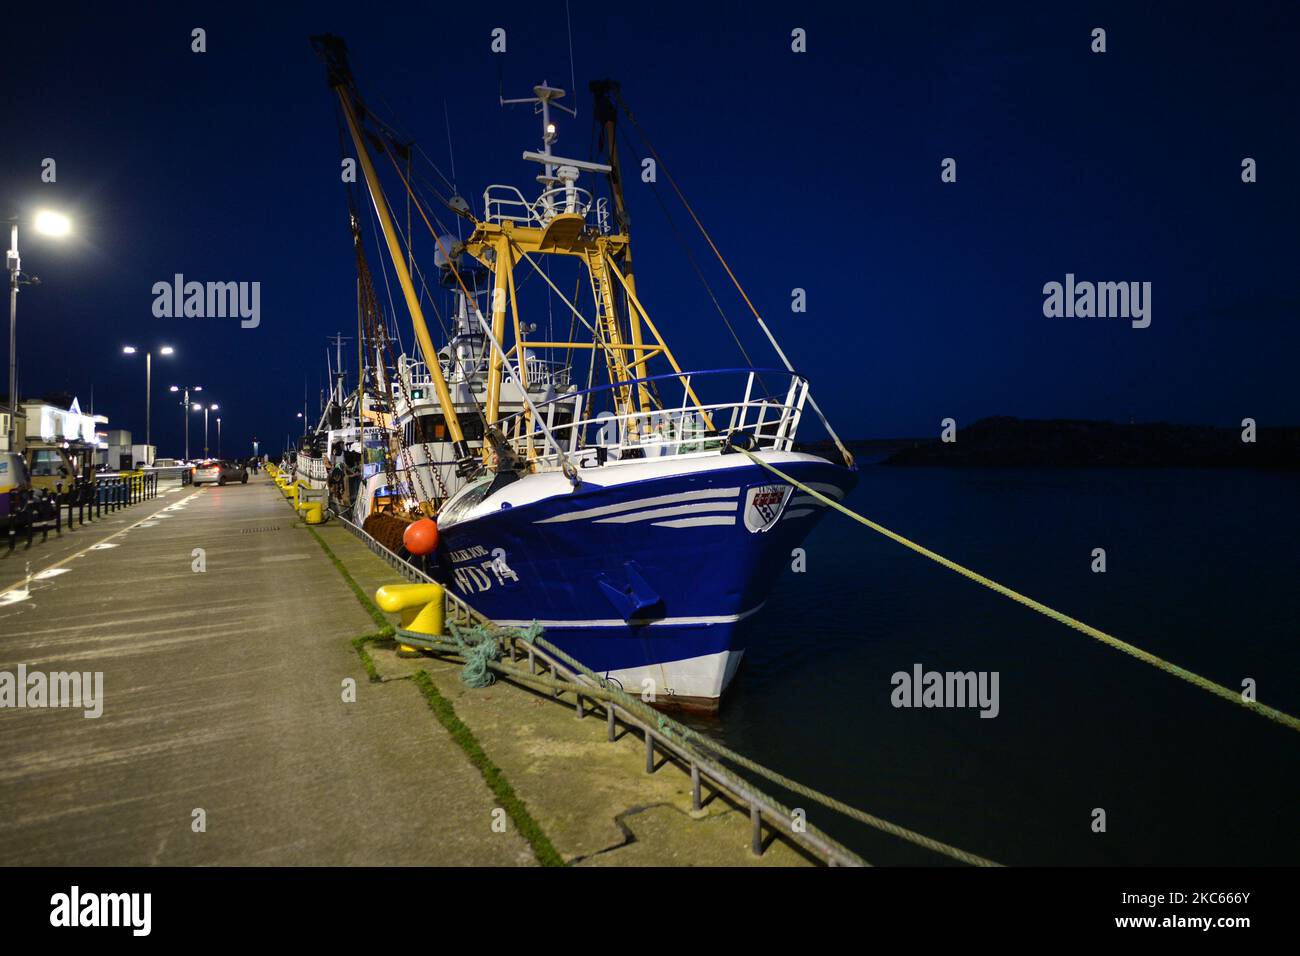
1201,569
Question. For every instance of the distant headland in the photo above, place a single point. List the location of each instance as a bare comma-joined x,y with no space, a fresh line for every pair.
1005,442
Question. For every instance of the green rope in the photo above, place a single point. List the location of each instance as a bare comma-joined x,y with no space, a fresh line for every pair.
1196,680
485,648
669,727
481,649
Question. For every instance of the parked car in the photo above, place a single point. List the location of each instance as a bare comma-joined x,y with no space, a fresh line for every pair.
216,472
173,469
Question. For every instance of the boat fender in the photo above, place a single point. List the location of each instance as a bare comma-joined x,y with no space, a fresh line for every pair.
421,537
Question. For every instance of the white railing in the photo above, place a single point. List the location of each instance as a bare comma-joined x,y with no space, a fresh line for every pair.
507,204
414,372
546,372
540,372
312,469
685,427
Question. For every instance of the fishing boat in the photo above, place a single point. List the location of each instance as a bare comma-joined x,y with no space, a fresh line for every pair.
588,481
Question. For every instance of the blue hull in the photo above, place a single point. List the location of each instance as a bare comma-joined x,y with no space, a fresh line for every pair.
648,579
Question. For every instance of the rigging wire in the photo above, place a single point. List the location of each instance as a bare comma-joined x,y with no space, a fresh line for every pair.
848,457
451,151
535,420
573,82
690,257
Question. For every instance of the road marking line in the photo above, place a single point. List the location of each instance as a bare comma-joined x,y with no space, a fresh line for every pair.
59,564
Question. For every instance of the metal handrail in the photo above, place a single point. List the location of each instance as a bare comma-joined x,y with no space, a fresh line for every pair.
763,808
555,201
667,431
538,371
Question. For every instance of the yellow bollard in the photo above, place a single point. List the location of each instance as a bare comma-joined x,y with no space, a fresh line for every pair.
421,605
313,512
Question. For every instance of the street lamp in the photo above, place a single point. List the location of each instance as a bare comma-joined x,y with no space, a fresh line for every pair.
185,404
218,434
49,224
52,224
148,386
207,408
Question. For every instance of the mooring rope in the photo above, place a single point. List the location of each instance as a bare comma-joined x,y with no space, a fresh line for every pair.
481,650
1227,693
669,727
483,661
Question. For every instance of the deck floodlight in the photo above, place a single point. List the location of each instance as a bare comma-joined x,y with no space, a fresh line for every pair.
52,223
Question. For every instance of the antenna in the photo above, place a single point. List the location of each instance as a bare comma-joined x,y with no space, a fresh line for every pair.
545,96
337,372
573,82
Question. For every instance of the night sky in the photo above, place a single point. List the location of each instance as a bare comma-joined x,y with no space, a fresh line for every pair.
818,170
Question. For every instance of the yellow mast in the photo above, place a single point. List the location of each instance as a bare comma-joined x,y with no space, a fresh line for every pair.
556,224
427,348
606,112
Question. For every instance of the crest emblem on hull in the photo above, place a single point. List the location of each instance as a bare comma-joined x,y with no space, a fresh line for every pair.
763,506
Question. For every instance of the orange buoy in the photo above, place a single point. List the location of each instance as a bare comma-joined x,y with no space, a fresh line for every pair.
421,537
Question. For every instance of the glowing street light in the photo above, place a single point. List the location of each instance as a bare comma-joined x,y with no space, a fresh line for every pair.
52,223
206,408
148,386
49,224
185,404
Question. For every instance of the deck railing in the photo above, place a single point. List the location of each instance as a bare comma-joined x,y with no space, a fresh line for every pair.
539,372
703,768
769,410
507,204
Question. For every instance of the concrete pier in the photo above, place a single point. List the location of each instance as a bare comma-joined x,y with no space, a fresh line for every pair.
239,724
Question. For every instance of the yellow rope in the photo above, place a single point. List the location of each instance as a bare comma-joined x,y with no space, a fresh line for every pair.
1197,680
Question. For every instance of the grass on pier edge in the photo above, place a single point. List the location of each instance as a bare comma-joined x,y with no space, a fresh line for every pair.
442,708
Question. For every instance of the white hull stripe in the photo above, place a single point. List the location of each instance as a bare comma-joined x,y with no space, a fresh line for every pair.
644,503
704,506
619,622
697,522
798,513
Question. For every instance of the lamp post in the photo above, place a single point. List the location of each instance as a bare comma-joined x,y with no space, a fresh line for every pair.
218,434
49,224
185,404
148,386
206,409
